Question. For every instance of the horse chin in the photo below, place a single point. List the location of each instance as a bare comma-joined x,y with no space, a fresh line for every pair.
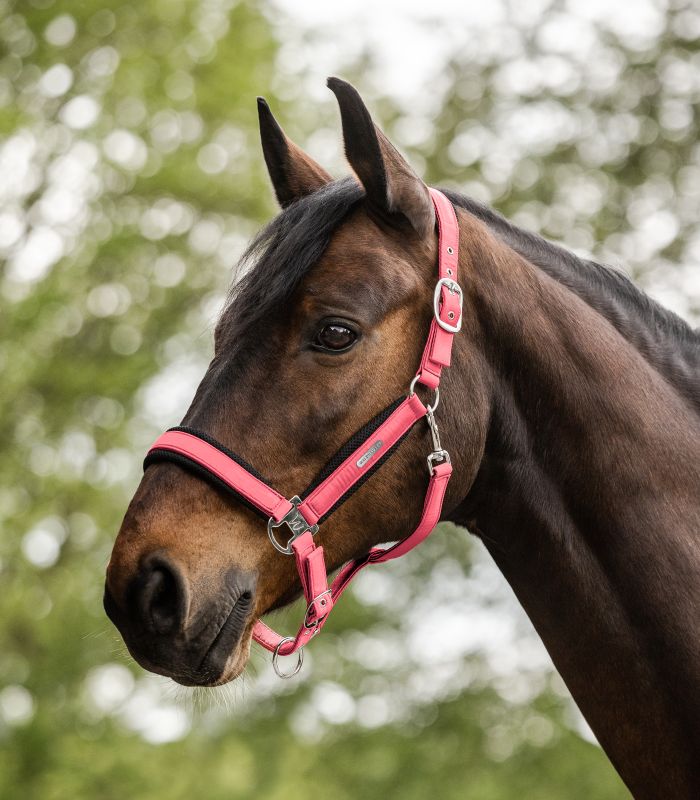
233,668
236,663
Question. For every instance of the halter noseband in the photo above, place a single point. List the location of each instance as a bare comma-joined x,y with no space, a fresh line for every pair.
355,461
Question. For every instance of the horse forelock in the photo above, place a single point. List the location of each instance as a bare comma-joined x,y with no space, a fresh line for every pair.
281,255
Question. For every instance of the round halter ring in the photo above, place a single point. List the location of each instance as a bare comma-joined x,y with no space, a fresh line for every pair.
412,391
276,655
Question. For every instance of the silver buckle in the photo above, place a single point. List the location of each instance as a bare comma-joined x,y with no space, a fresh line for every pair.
454,288
318,620
296,523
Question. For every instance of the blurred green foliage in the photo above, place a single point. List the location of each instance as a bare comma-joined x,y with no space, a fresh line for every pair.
131,180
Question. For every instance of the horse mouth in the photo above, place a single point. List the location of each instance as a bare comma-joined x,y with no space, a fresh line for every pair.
229,650
228,640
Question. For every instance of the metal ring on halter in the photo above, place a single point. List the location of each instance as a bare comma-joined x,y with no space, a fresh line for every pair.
412,391
296,523
276,655
436,402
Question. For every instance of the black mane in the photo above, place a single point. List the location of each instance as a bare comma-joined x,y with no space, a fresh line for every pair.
669,343
281,255
286,249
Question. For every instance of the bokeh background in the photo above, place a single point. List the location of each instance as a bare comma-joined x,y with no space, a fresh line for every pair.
130,180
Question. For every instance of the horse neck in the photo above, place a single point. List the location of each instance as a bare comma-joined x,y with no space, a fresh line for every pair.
587,499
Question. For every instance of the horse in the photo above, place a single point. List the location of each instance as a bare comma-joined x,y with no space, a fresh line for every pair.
570,412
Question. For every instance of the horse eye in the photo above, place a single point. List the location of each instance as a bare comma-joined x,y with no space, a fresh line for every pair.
335,338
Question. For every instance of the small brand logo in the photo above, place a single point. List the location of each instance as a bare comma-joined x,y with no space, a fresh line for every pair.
368,455
298,524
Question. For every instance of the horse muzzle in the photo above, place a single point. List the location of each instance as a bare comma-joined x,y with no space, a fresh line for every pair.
168,635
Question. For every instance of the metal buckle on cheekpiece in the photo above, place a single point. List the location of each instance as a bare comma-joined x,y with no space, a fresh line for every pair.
325,600
453,288
296,523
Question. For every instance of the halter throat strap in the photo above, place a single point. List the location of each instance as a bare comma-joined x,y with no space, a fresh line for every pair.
292,523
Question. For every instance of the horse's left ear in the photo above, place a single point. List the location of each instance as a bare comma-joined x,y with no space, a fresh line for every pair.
293,173
394,191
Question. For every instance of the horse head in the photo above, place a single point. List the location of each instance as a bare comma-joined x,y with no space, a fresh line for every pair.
321,335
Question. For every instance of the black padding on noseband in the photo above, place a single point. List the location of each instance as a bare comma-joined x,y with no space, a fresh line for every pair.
357,439
156,456
233,456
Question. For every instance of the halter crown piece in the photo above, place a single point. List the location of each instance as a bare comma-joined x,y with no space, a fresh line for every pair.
358,458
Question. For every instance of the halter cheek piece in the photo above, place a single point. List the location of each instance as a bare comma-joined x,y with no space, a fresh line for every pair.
346,471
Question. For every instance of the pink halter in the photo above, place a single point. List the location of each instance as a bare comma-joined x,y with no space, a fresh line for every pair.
212,461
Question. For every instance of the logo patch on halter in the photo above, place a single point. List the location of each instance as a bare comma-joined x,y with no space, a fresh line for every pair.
375,448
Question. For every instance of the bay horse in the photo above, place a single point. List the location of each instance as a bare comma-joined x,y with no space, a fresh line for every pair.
571,413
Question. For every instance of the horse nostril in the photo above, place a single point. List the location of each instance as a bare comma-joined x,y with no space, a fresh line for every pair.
161,596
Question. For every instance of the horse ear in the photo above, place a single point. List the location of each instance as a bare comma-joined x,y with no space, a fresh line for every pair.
293,173
394,191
